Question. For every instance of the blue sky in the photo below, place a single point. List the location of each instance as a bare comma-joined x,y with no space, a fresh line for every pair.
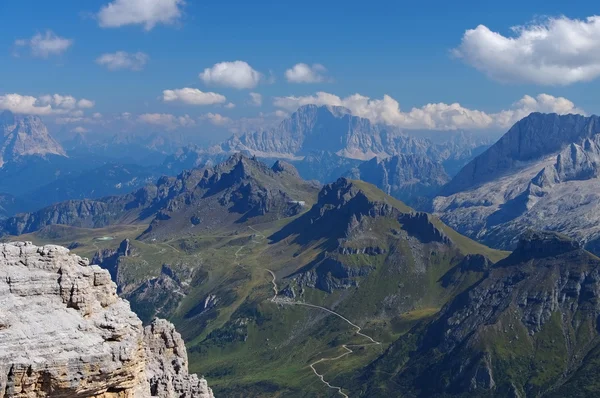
395,48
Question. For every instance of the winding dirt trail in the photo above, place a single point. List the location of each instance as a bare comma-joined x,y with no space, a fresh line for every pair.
349,351
237,253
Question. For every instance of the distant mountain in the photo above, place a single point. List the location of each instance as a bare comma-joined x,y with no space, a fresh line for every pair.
238,190
191,156
325,142
147,149
454,149
324,166
317,128
529,327
105,180
333,129
411,178
543,174
23,136
8,205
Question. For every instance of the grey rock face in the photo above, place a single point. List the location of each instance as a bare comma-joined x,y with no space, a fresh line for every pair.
64,332
531,138
332,129
521,183
167,364
25,136
410,178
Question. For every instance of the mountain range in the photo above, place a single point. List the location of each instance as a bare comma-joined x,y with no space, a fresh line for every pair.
98,166
333,129
266,275
236,190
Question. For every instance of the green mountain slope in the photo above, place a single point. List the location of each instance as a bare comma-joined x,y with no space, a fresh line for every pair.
528,328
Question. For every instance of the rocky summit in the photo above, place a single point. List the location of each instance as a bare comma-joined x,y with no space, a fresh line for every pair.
25,136
542,174
64,332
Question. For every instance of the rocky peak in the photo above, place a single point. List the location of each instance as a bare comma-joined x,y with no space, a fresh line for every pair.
25,136
284,167
339,192
532,138
344,203
167,365
64,332
422,226
237,168
538,244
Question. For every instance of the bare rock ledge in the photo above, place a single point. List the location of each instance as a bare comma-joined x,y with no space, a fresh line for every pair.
64,332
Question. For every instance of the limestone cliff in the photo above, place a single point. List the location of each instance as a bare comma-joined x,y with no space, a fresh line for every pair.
64,332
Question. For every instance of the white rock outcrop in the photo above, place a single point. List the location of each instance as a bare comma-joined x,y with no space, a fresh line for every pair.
64,332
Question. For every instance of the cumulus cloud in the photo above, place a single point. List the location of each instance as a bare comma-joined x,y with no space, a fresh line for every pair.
45,45
148,13
166,120
281,114
236,74
541,103
43,105
216,119
193,96
230,105
80,129
434,116
255,99
85,103
303,73
557,51
123,60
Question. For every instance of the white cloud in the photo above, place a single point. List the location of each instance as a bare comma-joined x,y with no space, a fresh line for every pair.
45,45
123,60
255,99
541,103
216,119
97,115
281,114
236,74
230,105
557,51
166,120
434,116
43,105
85,103
193,96
140,12
23,104
303,73
80,129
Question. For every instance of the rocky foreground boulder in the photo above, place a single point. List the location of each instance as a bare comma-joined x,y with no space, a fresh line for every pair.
64,332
